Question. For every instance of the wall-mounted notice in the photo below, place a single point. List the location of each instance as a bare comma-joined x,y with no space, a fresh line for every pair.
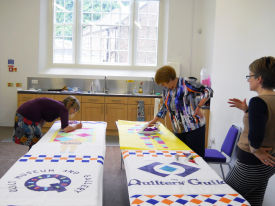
11,65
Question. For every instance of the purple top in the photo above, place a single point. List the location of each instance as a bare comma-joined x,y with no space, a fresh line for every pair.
45,109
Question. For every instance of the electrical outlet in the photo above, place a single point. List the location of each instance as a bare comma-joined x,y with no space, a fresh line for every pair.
213,141
17,84
10,84
34,81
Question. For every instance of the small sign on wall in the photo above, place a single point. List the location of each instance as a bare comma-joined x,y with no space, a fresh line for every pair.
11,66
10,61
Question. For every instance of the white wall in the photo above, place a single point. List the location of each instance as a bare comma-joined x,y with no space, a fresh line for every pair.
202,36
180,34
191,35
19,29
244,31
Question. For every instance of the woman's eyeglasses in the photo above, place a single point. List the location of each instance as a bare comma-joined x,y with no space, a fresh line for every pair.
249,76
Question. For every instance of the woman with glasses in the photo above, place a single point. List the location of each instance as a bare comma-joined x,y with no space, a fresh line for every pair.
31,116
256,147
180,100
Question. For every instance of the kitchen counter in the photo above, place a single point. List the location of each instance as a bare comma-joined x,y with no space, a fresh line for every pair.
87,93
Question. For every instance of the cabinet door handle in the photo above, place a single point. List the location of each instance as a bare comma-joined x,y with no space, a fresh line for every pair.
116,100
92,100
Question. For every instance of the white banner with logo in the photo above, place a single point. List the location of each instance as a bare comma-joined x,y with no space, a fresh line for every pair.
56,174
53,181
156,177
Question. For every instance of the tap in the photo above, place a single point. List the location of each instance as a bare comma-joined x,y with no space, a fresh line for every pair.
153,85
105,85
92,88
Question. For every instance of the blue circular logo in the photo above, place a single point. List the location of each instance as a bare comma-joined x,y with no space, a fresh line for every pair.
33,183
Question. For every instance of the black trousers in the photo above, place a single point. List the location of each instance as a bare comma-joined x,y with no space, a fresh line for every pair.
194,139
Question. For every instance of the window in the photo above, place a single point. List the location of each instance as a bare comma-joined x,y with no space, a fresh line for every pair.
108,32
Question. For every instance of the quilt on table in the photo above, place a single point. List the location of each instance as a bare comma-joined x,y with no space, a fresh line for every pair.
130,138
91,131
92,135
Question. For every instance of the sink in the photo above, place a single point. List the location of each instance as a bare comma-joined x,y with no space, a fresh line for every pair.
130,94
98,93
89,92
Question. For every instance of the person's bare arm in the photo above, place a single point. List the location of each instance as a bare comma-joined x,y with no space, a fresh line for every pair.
70,128
198,109
154,121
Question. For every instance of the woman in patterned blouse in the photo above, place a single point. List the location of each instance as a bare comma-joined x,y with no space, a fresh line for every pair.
179,99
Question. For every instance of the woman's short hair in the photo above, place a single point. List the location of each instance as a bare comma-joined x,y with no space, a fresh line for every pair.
71,102
165,74
264,67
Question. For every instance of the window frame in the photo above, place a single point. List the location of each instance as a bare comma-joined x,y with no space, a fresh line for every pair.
76,46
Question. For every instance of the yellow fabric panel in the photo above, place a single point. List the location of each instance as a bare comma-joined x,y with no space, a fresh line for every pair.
129,138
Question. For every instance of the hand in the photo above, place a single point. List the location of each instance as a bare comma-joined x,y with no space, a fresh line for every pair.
68,129
263,155
238,104
79,125
198,112
153,122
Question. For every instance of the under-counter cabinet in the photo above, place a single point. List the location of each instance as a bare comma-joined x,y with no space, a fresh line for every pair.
93,108
115,109
22,98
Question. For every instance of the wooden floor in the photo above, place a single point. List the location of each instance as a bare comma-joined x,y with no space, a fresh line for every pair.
115,191
9,154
